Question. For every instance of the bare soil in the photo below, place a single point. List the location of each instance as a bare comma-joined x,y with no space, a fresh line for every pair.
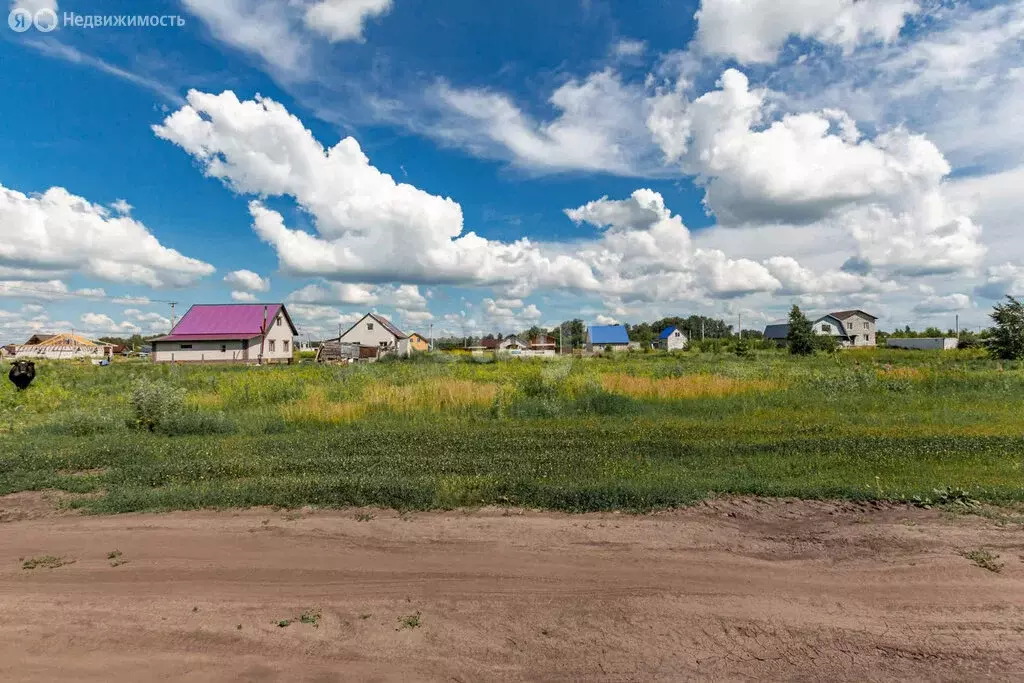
736,589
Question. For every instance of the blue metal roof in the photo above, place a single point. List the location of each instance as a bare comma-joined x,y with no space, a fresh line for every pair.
667,332
608,334
776,331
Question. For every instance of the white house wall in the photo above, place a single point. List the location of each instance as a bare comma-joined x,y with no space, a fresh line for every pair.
364,336
360,334
206,351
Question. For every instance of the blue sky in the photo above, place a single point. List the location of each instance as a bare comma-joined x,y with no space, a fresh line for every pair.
499,166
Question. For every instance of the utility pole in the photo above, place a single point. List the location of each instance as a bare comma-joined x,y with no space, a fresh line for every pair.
739,324
173,304
430,343
702,328
957,325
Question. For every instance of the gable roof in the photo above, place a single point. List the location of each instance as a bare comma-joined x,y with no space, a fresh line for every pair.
226,321
382,321
667,332
843,315
781,330
832,318
61,339
608,334
418,336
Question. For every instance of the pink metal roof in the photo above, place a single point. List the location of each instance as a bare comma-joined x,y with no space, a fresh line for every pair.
225,321
204,337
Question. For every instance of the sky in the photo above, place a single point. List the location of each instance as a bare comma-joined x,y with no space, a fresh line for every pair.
468,168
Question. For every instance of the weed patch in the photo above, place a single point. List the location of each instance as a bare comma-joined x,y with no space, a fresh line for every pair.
45,562
984,559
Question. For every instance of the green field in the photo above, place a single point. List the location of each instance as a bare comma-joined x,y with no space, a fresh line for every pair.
637,432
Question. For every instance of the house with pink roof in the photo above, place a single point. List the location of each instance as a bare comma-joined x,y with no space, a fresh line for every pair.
229,333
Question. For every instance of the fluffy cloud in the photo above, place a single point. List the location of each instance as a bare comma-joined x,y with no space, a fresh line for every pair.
339,293
885,196
1001,280
244,297
508,315
815,167
266,28
370,228
247,280
34,6
282,33
98,322
58,233
646,253
943,304
755,30
597,129
340,20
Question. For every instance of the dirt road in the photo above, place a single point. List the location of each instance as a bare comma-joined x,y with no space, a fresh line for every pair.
735,589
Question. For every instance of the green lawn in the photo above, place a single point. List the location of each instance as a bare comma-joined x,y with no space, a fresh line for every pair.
636,432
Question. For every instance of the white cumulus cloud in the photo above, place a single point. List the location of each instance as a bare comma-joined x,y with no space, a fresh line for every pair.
247,280
755,30
58,233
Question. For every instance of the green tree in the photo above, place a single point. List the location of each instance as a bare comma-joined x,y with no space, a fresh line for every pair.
1007,341
533,333
801,333
641,333
742,347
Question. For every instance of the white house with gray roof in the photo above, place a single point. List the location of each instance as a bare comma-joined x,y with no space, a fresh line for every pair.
377,331
850,328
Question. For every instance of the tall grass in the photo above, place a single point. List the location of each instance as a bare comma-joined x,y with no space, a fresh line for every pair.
636,430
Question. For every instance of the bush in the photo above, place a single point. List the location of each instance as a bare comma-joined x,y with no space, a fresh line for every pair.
154,403
742,348
826,343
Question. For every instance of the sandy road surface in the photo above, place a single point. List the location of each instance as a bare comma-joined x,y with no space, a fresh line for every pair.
738,589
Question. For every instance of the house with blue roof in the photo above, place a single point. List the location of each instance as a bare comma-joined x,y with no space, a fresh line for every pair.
602,337
672,339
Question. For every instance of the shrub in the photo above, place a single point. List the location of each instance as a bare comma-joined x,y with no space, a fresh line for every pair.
826,343
742,348
537,386
154,403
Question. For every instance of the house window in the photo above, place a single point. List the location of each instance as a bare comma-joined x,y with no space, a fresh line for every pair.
369,326
272,345
849,326
867,326
184,346
825,327
279,321
284,345
223,348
